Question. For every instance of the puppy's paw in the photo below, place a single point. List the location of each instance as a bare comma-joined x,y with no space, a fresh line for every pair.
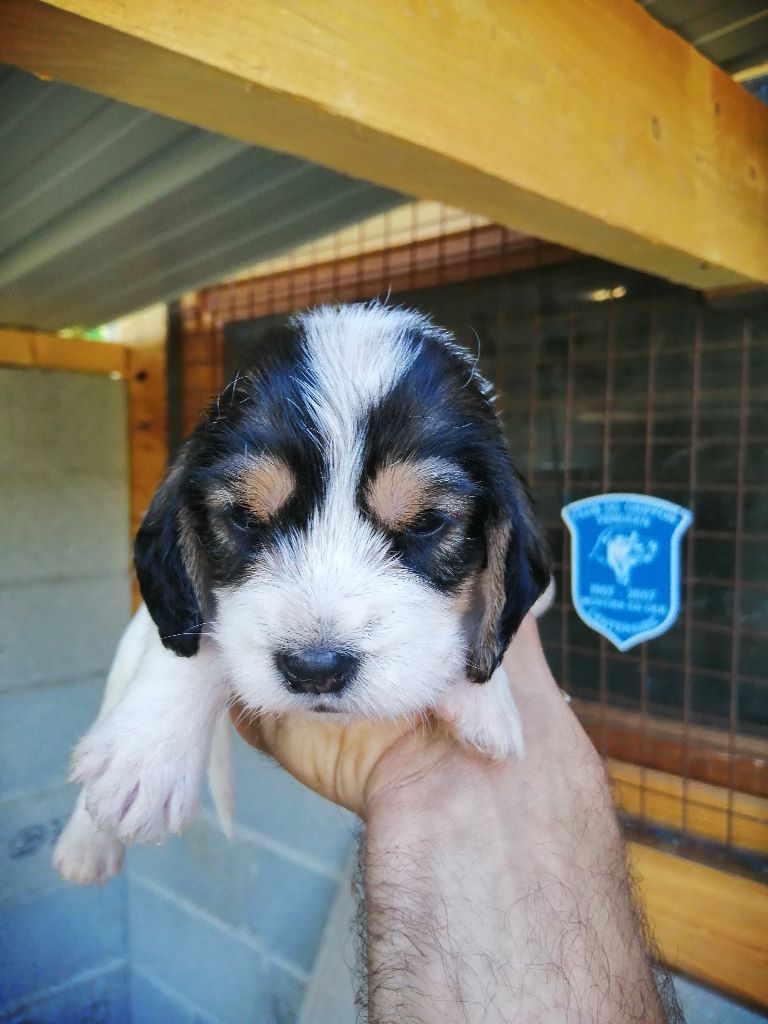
141,781
84,854
485,716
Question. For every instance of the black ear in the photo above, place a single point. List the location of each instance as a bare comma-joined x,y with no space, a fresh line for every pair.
166,566
517,571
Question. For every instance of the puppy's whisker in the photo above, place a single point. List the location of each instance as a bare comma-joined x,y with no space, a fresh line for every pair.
477,359
190,631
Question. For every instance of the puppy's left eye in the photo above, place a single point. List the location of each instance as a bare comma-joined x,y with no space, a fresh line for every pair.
428,524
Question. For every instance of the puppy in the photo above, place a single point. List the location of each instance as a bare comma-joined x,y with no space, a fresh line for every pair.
344,533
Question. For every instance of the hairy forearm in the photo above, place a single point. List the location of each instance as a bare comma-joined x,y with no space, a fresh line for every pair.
491,897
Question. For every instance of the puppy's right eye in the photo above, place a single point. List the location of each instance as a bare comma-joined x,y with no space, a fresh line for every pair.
243,519
428,524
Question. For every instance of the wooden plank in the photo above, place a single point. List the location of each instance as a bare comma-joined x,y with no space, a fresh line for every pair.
590,124
52,352
708,923
672,746
707,812
147,430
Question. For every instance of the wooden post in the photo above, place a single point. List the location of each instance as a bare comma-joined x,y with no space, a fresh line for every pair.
147,430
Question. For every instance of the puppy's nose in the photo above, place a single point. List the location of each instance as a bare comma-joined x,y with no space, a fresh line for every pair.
317,669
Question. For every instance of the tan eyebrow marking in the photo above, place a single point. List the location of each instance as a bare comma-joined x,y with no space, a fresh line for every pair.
266,485
401,490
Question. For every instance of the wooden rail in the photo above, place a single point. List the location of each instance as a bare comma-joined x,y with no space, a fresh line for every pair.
708,923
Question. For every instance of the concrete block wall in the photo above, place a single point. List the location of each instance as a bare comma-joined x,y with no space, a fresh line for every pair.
227,933
64,599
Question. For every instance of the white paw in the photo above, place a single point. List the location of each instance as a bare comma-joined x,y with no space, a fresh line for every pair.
85,854
485,716
141,780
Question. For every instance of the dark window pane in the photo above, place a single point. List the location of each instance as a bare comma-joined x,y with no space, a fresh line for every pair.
712,603
549,628
670,462
720,368
756,463
580,634
555,660
754,561
588,423
718,417
715,511
754,607
674,327
721,326
630,378
589,383
553,344
752,659
755,512
672,416
624,682
710,700
584,673
590,335
753,708
757,416
716,462
713,559
631,329
664,689
758,368
711,650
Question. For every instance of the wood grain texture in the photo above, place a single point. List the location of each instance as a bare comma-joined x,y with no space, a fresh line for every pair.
52,352
705,812
670,745
147,431
587,124
708,923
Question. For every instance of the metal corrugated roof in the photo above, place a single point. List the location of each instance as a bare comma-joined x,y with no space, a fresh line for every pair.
105,208
732,33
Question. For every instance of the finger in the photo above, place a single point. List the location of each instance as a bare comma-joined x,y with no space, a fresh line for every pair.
248,725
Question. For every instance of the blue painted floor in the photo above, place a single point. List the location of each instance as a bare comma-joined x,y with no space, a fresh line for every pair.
702,1006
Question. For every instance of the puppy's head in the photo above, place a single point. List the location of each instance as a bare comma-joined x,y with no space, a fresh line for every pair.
347,523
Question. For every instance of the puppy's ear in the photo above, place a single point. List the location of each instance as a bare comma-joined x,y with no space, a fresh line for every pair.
517,568
165,557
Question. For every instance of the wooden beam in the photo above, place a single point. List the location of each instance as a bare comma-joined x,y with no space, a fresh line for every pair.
590,125
36,349
712,813
677,748
708,923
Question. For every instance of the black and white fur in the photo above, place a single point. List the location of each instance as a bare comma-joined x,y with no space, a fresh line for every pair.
342,408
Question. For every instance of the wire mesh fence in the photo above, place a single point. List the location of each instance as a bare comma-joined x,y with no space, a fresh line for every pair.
609,381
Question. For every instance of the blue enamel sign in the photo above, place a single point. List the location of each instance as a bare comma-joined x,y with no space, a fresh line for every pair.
625,564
